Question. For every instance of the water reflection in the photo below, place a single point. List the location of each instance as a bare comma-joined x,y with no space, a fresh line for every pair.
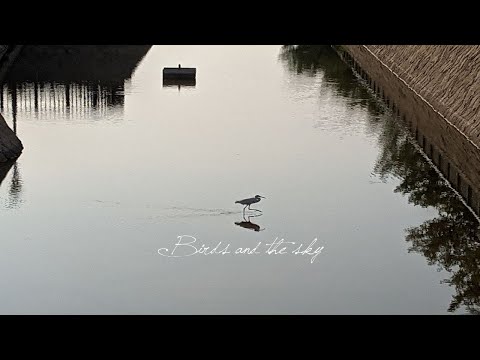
15,189
179,83
337,80
51,83
69,82
247,224
451,240
52,101
312,59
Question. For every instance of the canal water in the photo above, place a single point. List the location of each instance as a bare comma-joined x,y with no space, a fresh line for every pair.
119,167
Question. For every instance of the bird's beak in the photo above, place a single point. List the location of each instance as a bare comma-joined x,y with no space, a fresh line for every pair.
263,197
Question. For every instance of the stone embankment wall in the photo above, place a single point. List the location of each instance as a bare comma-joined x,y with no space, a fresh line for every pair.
436,90
10,145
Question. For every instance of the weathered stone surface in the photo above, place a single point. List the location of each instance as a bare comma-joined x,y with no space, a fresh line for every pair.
436,89
10,145
447,76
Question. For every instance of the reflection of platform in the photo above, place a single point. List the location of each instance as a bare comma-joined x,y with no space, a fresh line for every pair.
179,82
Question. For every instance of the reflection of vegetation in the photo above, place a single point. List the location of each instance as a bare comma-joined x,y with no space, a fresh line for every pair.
400,159
312,59
452,239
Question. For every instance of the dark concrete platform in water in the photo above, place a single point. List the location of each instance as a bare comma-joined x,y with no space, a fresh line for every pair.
179,73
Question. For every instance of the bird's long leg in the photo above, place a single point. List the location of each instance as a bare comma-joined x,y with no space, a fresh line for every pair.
249,206
245,208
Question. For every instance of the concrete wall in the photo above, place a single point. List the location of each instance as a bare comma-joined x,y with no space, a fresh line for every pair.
434,89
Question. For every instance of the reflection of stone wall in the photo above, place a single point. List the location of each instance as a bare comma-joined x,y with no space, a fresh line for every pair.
10,146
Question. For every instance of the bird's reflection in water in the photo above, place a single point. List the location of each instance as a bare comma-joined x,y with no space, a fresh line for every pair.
247,224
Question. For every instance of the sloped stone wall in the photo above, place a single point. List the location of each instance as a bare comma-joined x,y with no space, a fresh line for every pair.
436,90
447,76
10,145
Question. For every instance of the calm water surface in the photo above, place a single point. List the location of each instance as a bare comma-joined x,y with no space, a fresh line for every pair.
129,164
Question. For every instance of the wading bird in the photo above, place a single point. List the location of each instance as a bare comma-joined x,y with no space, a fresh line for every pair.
250,201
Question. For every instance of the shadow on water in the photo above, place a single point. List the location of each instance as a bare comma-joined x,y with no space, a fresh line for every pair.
451,240
52,81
